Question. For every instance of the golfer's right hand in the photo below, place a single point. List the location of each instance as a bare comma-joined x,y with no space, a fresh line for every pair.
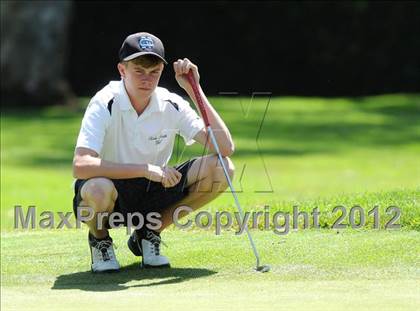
166,175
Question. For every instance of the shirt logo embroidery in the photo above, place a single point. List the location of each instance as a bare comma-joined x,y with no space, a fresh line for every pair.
157,139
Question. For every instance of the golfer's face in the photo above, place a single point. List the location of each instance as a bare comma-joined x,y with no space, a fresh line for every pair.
143,81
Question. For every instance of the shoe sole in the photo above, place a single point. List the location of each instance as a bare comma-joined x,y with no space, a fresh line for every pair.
105,271
154,267
134,247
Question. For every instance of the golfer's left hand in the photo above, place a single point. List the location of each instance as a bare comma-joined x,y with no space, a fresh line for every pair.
181,68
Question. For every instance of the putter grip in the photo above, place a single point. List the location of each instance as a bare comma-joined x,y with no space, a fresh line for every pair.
199,99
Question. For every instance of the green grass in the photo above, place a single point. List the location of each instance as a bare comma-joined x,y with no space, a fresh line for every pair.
310,152
311,270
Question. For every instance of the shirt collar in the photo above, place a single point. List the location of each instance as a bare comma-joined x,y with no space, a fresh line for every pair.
155,104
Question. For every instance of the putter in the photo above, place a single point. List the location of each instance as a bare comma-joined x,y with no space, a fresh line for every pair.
191,80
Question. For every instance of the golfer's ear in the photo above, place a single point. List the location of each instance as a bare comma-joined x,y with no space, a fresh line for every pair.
121,69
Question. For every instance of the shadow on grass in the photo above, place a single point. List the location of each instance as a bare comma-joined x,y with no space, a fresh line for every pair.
104,282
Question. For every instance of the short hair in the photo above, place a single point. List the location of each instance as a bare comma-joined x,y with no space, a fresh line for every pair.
145,61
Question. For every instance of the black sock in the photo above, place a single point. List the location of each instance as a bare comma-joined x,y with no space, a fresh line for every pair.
92,238
142,233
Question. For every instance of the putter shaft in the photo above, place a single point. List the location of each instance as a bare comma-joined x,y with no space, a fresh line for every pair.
203,111
241,213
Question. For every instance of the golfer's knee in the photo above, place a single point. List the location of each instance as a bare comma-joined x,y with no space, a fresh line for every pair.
219,176
100,194
219,173
230,166
212,163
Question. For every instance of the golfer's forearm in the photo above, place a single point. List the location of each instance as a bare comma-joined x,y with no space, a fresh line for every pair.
220,130
87,167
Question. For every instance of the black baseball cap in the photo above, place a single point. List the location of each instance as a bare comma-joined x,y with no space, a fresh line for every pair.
141,43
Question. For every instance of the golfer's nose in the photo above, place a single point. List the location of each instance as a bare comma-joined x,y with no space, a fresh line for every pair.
147,78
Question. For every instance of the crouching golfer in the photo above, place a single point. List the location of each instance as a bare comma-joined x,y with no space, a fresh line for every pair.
124,145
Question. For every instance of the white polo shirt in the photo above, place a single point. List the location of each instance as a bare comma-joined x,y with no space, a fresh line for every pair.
122,136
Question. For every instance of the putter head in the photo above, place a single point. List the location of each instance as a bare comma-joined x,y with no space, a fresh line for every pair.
263,268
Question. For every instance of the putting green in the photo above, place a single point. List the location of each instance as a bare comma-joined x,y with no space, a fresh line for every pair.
312,152
311,270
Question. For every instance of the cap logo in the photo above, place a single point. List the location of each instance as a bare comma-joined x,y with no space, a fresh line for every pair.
146,43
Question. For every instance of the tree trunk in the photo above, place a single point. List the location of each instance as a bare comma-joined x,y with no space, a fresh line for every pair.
34,52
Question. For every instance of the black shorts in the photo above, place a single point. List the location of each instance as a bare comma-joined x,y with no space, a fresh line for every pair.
141,194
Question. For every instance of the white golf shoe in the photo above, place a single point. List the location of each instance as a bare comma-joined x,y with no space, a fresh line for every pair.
103,255
147,244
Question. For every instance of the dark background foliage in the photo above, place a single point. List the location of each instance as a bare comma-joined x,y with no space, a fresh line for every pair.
301,48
